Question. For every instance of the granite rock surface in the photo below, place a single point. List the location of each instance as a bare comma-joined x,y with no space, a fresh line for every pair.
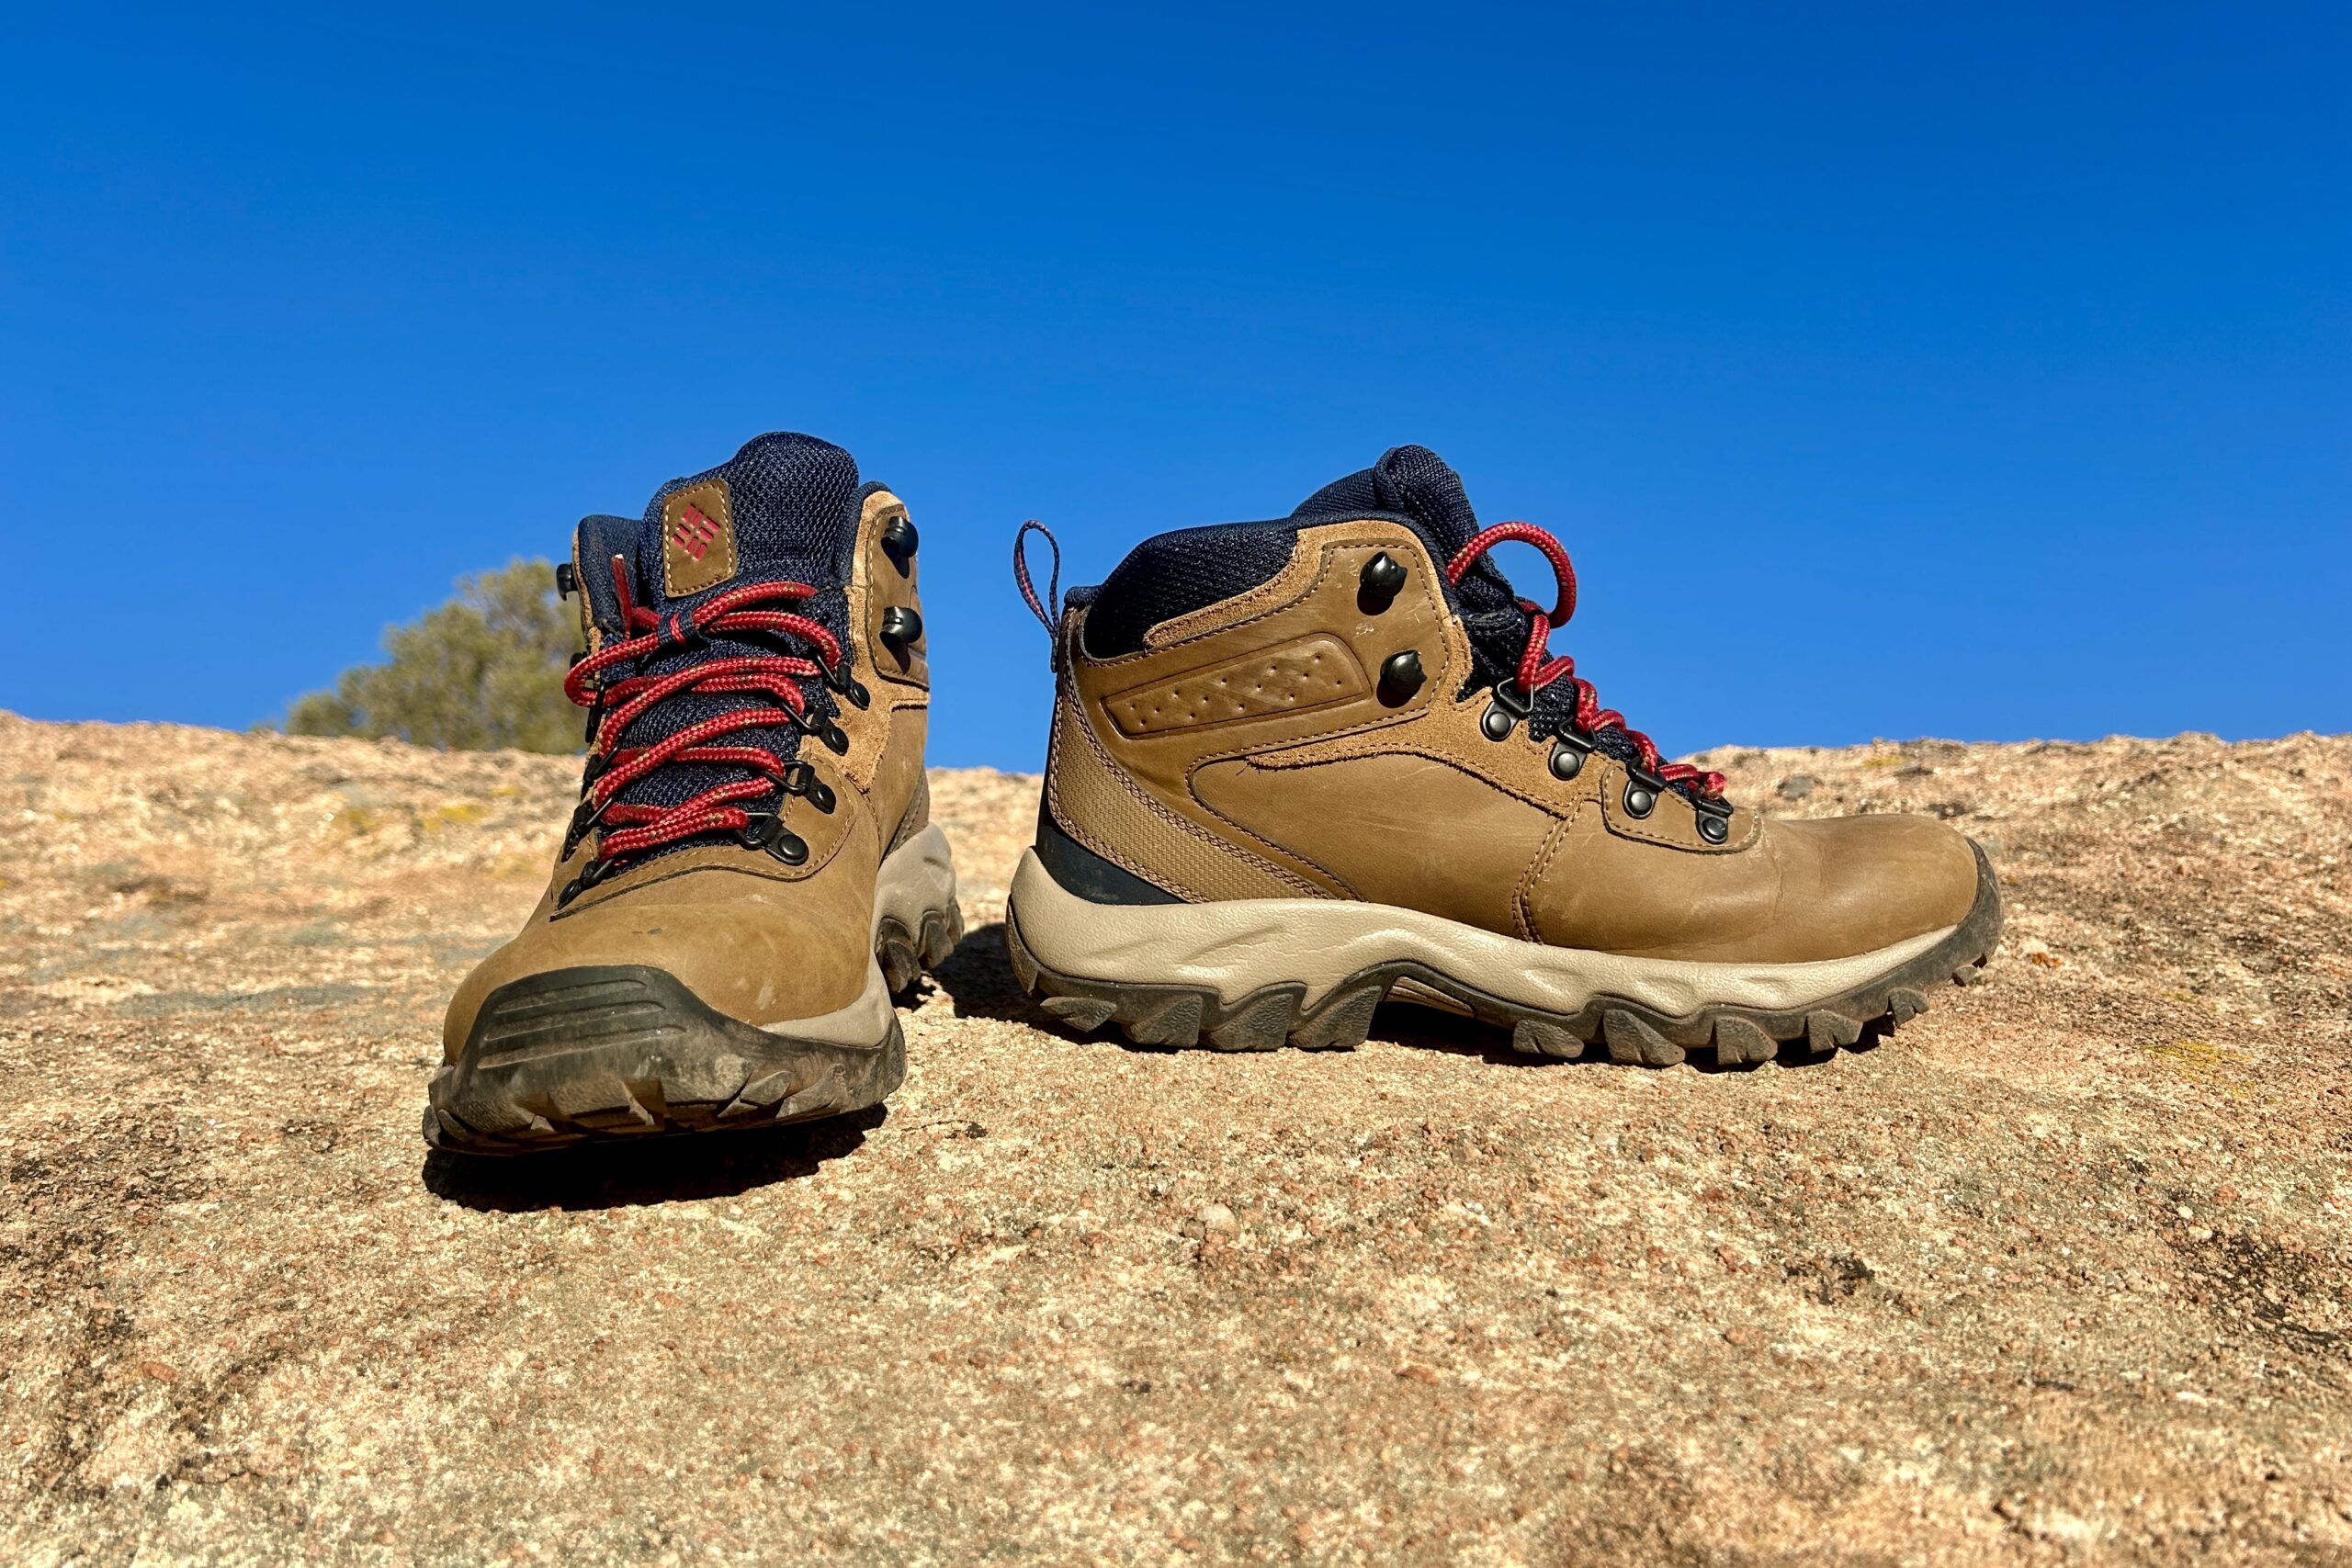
2058,1273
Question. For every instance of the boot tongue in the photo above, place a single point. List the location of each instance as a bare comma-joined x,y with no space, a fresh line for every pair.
782,508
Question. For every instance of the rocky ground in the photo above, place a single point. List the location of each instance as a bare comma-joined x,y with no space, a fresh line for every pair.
2059,1272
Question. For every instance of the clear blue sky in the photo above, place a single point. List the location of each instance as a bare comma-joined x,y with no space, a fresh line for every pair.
1981,372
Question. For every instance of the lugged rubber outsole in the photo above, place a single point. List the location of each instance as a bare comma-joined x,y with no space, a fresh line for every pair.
1623,1031
905,956
627,1052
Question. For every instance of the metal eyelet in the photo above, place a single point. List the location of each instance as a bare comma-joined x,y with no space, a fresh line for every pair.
1505,708
848,686
802,780
824,730
1641,793
1568,753
898,541
1400,676
583,816
1714,818
768,832
1382,579
901,627
595,871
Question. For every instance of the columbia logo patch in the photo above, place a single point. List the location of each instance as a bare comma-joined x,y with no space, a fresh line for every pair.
694,531
697,538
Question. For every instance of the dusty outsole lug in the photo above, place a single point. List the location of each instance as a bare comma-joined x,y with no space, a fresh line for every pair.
1343,1022
1828,1028
905,954
1635,1043
1262,1027
1739,1042
1084,1014
1542,1037
1630,1032
1175,1021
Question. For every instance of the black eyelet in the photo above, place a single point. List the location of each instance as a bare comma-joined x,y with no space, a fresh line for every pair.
851,690
824,730
1505,708
768,832
1567,757
801,779
1382,579
583,816
1641,793
595,871
1713,828
898,541
1400,676
566,579
900,627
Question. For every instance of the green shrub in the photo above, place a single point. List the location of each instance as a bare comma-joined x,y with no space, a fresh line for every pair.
483,672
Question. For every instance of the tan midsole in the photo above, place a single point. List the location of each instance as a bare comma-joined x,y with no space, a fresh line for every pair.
1237,946
916,878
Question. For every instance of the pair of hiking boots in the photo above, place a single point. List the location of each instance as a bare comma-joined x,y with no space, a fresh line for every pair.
1296,767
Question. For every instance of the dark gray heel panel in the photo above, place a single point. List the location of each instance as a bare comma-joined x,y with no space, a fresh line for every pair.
1082,872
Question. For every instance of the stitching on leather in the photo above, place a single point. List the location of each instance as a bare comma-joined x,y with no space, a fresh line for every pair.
1198,700
1406,746
1433,685
591,637
1633,830
917,816
726,521
1349,888
1331,550
1524,897
1210,618
1153,808
1328,547
917,674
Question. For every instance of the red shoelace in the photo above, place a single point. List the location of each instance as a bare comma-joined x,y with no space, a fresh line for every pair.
1537,670
613,768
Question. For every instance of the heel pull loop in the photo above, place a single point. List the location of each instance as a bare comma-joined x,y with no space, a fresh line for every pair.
622,595
1046,618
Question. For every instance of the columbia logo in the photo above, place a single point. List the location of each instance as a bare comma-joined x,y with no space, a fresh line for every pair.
694,531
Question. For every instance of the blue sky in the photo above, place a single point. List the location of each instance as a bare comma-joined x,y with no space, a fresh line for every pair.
1981,372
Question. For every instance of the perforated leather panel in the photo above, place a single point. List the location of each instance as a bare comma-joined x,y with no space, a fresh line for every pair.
1293,677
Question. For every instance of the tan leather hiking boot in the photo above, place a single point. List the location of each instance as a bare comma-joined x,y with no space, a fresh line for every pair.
751,872
1302,766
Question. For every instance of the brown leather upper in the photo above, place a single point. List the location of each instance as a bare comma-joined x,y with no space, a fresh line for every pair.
755,938
1250,751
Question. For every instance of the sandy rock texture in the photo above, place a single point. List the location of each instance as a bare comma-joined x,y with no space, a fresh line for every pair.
2057,1273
